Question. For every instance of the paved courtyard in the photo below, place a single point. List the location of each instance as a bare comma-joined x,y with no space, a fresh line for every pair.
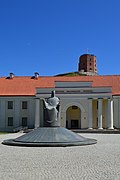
93,162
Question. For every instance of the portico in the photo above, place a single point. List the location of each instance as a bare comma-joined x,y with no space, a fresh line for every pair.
81,105
100,113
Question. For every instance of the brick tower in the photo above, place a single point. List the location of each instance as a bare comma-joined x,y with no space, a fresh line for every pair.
88,64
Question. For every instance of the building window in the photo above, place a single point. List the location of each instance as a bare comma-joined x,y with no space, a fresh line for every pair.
90,64
24,121
24,104
10,104
74,107
10,121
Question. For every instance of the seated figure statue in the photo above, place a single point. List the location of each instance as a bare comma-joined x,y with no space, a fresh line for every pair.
51,111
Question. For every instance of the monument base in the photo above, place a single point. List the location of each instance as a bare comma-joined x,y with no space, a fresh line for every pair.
50,137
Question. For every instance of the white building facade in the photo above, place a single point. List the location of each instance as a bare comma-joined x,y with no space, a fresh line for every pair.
82,106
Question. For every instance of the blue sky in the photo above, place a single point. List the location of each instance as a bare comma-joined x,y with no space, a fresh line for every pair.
48,36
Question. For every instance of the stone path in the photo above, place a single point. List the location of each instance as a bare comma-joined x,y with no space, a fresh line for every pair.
93,162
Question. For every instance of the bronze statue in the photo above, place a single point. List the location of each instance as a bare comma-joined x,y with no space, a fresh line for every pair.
51,135
51,111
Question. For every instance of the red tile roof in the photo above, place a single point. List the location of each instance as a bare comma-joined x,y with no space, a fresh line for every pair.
26,86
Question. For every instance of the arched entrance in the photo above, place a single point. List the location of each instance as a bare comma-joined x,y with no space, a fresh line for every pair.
73,117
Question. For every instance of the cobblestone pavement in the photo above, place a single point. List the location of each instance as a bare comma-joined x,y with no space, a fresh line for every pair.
93,162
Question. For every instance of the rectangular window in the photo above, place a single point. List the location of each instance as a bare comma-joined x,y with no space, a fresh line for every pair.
24,104
10,121
10,104
24,121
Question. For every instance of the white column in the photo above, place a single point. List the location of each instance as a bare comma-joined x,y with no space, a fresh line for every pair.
90,114
100,114
37,113
110,114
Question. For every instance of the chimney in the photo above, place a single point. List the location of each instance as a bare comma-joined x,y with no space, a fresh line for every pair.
11,75
36,75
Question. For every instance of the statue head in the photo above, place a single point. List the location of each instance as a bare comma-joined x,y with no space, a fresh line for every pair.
53,93
53,100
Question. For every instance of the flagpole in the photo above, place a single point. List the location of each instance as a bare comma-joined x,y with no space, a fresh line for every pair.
88,50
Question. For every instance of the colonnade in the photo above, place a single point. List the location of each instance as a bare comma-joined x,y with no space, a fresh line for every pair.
100,114
90,113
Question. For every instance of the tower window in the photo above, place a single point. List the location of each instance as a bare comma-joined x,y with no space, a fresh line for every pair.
82,63
90,64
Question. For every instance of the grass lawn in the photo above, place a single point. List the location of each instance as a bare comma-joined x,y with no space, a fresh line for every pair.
3,133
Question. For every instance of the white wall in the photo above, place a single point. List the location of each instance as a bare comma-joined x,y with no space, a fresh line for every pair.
17,112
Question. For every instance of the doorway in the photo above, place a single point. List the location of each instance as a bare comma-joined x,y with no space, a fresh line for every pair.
73,117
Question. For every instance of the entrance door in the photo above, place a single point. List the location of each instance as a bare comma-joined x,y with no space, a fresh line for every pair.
74,124
73,117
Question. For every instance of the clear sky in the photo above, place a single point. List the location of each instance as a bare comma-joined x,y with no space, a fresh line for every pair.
48,36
